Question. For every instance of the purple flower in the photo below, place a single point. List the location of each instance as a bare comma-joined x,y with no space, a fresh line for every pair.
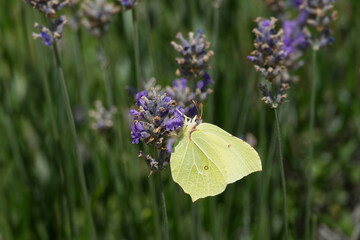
46,38
320,14
297,3
140,94
195,56
294,37
156,119
128,4
203,84
176,120
180,83
54,32
268,55
184,94
136,129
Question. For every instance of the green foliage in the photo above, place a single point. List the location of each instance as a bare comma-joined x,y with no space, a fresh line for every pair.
40,195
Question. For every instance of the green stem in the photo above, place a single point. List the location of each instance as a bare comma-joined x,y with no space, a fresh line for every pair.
163,207
81,72
196,225
311,147
136,48
283,180
104,64
213,70
75,141
266,181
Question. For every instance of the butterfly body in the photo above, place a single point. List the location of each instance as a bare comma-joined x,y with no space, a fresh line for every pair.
206,158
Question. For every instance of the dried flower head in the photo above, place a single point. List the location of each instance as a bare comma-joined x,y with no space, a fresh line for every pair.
218,3
156,164
194,55
269,54
277,6
97,15
102,119
48,7
320,15
274,100
184,96
128,4
49,35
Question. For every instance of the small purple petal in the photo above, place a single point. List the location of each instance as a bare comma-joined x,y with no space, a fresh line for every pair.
140,94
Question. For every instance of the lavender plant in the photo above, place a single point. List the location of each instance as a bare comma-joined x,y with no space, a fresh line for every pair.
319,15
194,55
130,5
50,35
181,92
48,7
156,121
97,15
193,68
102,119
268,58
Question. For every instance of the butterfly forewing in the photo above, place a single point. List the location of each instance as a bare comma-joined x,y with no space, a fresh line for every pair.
239,157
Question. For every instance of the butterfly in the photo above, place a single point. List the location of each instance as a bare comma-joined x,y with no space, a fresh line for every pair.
206,158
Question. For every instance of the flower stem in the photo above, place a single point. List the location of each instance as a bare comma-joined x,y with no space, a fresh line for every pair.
75,140
283,180
163,207
104,64
136,48
196,227
81,69
311,147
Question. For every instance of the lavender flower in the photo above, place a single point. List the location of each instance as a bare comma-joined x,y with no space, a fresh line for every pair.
194,55
97,15
48,7
277,6
157,120
296,36
297,3
156,164
181,92
296,40
128,4
102,118
269,54
320,15
49,35
269,98
269,60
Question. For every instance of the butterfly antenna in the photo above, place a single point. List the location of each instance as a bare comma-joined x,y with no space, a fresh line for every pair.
199,113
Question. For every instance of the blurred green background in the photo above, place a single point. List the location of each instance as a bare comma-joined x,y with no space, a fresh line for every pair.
40,195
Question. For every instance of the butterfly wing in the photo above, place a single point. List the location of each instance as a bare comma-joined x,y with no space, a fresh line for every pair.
208,158
197,169
238,156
